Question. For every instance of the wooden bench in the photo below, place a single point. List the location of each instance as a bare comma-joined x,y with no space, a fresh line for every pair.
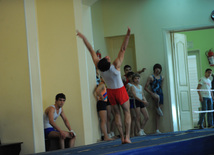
53,144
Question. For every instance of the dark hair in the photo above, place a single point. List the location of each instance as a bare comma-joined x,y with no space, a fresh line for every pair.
126,66
135,75
208,69
103,65
129,74
60,95
157,66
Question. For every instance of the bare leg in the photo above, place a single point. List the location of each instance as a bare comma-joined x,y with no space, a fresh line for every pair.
145,117
137,110
108,118
54,134
113,124
118,121
133,121
157,121
157,100
103,124
127,119
72,142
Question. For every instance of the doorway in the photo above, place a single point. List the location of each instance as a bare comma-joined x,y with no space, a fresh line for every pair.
114,45
194,76
173,87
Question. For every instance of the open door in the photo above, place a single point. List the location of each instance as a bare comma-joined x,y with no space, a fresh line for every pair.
182,87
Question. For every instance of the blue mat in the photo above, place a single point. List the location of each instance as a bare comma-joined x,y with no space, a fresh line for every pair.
185,142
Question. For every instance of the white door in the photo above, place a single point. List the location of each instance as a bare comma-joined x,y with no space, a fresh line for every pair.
180,66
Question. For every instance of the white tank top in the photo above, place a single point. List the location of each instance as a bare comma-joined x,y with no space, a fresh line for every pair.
46,119
138,92
112,78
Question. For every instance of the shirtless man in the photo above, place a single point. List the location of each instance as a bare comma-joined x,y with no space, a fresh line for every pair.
116,91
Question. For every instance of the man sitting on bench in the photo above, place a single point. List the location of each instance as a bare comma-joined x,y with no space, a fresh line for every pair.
51,129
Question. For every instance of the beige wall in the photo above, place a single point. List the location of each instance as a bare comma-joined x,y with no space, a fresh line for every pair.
65,66
59,59
15,111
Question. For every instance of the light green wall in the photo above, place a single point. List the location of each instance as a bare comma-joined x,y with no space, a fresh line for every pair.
201,40
148,21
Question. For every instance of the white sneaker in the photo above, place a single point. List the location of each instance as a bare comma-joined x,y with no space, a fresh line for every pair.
112,134
159,111
109,135
141,132
157,131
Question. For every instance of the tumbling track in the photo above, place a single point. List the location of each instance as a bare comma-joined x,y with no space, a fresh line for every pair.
197,142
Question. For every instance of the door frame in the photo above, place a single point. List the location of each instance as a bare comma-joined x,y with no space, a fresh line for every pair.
175,114
198,58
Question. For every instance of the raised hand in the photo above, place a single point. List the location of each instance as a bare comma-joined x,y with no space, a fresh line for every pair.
80,34
143,69
128,31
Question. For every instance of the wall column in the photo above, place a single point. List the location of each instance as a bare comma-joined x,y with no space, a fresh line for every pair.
34,71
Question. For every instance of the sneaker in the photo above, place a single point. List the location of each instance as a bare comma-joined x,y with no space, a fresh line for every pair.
158,131
159,111
112,134
141,132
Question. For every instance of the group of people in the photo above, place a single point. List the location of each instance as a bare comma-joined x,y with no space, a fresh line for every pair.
137,101
112,94
124,94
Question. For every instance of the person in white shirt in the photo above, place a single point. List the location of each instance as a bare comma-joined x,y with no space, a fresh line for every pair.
52,130
141,104
117,94
205,97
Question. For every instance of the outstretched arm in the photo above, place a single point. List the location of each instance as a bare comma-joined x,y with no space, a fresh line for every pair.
89,47
141,71
118,61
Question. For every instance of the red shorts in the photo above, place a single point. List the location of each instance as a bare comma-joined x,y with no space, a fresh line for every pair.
117,96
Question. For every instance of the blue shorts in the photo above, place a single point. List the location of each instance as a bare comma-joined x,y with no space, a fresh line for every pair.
131,100
139,104
48,130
